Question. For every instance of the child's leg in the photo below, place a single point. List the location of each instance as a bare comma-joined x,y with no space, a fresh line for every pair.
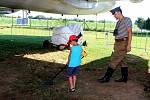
74,80
71,82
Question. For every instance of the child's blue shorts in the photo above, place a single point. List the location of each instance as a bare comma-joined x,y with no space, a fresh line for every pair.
71,71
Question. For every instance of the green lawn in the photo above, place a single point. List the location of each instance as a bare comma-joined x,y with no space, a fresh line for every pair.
54,23
44,63
100,44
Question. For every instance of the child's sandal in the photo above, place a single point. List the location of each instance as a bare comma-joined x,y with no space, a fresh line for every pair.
72,90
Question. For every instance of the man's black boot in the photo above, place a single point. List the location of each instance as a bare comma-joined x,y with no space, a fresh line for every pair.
107,76
124,72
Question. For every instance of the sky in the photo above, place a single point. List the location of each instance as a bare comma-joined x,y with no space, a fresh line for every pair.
132,10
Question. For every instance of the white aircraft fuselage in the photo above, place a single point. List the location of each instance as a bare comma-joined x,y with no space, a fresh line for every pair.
62,6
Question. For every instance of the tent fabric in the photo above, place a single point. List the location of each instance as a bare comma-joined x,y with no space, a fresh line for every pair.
61,34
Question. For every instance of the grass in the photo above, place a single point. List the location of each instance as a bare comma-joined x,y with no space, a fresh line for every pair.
97,41
33,70
100,45
4,21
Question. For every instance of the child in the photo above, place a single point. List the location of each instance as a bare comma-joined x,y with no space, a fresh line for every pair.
74,61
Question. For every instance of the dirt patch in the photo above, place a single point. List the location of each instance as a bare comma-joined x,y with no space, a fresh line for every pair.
21,78
89,89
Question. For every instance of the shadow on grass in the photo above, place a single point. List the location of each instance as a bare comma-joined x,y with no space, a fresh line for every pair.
20,45
22,78
138,67
26,76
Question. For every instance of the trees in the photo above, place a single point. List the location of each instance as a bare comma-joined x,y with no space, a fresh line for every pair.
147,22
143,24
2,15
140,23
39,17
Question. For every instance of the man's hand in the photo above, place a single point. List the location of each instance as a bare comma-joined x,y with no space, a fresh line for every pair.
128,48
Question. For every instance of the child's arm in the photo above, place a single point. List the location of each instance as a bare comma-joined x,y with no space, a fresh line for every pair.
84,53
69,57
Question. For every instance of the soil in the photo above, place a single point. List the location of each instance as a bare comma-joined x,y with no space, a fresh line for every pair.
20,75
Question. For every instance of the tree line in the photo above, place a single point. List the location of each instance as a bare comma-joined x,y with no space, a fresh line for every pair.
143,24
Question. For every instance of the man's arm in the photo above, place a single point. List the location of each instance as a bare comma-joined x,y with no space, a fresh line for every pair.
129,39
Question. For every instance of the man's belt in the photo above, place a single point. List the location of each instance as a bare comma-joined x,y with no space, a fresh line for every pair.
122,39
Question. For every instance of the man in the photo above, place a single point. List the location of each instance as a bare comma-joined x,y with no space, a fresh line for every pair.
122,45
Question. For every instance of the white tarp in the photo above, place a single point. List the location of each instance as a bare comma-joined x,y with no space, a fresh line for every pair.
61,34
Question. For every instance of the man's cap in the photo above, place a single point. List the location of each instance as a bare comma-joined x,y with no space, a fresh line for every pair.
115,10
72,37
